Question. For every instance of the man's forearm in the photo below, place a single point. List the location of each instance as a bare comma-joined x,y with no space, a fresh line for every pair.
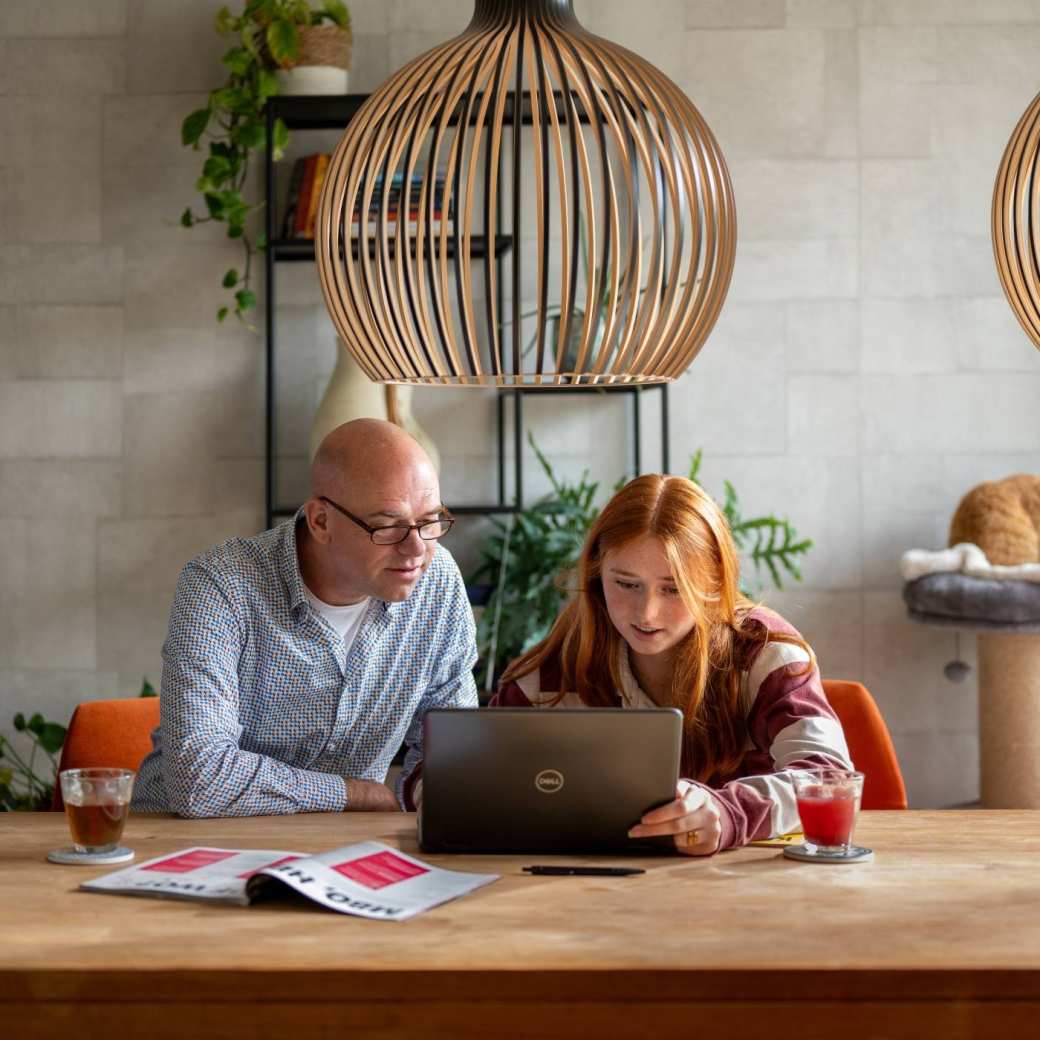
243,783
370,796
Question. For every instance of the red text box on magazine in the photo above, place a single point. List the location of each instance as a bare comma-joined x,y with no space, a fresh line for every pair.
188,861
379,870
266,866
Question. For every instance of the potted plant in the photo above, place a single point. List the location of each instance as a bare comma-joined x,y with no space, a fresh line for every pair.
267,37
320,63
24,785
575,330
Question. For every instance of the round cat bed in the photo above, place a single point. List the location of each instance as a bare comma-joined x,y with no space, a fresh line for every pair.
981,604
1006,617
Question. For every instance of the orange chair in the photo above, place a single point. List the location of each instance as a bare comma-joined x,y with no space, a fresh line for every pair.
869,744
108,733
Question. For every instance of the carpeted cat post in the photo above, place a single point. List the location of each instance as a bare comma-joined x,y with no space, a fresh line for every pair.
989,582
1009,720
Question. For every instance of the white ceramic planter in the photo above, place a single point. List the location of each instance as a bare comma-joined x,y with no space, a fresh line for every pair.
313,79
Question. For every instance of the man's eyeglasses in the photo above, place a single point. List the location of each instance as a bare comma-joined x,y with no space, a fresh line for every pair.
393,534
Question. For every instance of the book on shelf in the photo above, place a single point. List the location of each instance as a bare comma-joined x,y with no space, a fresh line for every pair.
305,185
414,210
307,208
414,215
394,198
394,195
293,201
397,180
320,170
411,229
308,177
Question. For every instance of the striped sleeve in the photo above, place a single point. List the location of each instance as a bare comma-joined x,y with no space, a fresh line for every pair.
790,719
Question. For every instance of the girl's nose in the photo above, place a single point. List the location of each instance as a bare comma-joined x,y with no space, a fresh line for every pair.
647,610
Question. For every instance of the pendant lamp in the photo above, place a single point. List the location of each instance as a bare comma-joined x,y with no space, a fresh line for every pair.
1016,221
526,205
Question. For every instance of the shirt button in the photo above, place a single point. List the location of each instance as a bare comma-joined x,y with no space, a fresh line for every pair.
333,745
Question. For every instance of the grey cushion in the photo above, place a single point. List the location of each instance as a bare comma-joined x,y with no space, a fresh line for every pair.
956,599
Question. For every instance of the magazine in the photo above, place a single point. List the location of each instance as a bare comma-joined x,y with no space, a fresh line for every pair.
369,879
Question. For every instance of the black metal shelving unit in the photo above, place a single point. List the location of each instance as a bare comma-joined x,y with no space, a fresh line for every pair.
303,248
516,396
334,112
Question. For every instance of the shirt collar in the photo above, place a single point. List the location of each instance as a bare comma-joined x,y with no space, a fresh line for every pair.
289,565
632,694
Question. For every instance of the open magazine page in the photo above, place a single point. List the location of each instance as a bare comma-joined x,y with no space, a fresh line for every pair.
371,880
216,875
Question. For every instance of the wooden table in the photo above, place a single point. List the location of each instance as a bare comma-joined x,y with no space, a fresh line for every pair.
939,936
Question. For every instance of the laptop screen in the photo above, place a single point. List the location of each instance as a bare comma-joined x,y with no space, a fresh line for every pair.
535,780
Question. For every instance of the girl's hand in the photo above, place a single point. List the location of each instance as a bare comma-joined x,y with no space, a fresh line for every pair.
693,820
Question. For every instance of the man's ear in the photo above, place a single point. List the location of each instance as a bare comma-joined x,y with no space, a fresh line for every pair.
317,515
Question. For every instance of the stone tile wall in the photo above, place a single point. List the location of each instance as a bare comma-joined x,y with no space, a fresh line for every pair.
865,372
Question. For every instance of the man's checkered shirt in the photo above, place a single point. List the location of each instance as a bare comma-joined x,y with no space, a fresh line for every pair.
262,711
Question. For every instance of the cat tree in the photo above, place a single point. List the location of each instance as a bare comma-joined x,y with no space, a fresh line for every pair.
1005,615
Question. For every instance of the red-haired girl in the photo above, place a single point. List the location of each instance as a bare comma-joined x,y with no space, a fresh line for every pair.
658,619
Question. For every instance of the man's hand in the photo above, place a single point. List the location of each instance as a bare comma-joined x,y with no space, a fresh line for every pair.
693,821
370,796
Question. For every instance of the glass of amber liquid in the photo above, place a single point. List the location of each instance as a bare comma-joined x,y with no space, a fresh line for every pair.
97,803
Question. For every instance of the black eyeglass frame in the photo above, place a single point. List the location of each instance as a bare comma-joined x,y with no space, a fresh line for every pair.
447,518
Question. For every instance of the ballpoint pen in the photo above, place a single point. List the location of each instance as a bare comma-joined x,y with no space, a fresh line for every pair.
540,868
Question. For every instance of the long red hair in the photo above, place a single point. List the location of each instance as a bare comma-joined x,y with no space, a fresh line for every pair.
587,648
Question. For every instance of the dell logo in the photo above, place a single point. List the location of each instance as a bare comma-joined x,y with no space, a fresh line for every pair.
549,781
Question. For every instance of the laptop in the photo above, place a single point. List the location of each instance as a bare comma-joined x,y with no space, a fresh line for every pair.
560,781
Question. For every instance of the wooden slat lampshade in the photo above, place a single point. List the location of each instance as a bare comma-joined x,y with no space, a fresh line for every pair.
526,204
1016,221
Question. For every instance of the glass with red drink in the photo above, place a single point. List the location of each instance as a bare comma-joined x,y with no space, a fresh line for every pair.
828,802
97,803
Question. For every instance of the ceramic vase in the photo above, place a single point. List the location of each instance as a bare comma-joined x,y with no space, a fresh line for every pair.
352,395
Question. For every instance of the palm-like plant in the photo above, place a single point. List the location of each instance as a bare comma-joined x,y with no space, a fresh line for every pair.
527,560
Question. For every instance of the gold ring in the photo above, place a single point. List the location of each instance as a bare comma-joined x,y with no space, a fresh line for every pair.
692,837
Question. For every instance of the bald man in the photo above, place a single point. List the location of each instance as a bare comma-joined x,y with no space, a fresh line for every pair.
298,662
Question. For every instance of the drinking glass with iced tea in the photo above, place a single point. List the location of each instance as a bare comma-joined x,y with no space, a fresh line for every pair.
828,802
97,803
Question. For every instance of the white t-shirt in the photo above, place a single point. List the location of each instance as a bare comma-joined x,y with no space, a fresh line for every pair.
345,620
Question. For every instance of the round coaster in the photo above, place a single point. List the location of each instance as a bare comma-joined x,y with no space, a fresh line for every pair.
854,854
120,854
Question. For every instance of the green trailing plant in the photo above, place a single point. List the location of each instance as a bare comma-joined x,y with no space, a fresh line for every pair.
24,784
528,557
232,124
